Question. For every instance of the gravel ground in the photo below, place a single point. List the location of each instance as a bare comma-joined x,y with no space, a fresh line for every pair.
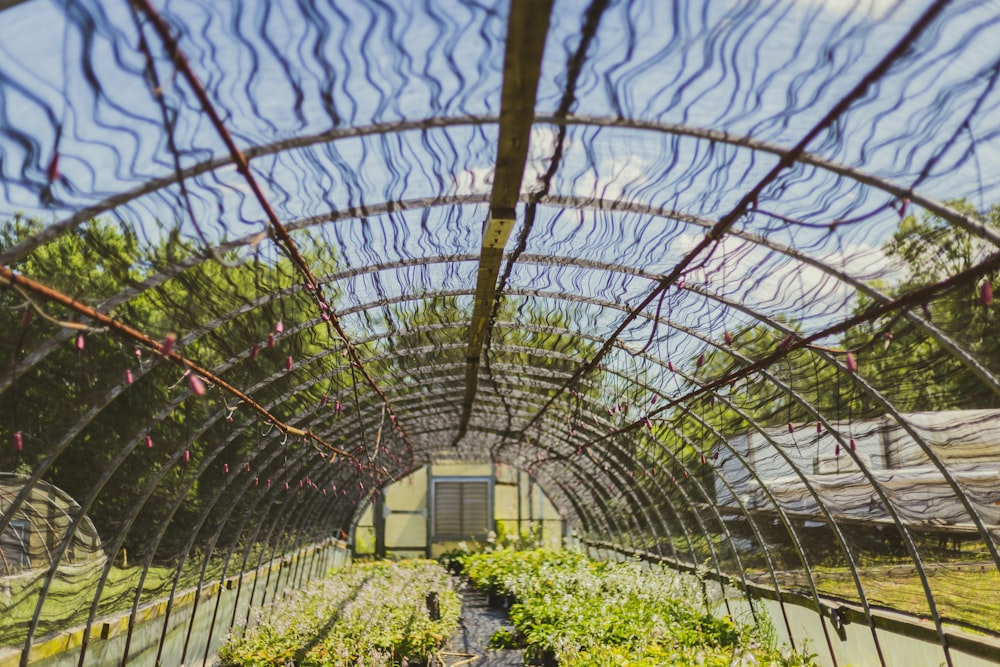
479,622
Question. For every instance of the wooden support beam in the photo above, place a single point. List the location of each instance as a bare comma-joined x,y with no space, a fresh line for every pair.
527,26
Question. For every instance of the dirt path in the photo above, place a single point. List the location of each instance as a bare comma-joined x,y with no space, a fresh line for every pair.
468,647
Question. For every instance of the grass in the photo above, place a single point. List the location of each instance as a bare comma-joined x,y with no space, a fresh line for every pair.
71,594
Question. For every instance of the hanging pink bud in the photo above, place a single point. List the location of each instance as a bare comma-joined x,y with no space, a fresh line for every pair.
715,456
324,492
685,474
986,292
225,468
187,456
728,337
344,353
149,441
138,353
791,427
128,376
670,366
854,446
323,399
652,399
26,318
79,341
836,452
247,467
701,360
887,340
268,485
903,203
197,386
300,483
323,316
52,171
819,427
337,407
168,344
270,341
256,481
927,311
279,327
254,351
703,459
852,363
680,284
17,442
288,363
286,486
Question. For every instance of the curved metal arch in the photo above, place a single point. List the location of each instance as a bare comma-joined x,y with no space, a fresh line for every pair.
677,129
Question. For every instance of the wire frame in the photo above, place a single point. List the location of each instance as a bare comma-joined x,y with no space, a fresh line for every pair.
743,323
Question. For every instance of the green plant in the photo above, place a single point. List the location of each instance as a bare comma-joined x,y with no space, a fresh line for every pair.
369,614
581,612
503,639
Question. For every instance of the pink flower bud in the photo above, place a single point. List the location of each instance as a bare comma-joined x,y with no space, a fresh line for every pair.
728,337
852,364
791,427
337,407
279,327
323,399
903,203
149,441
256,481
680,284
128,376
187,456
286,486
79,341
649,424
836,452
701,360
167,346
324,317
819,427
197,386
268,484
854,446
887,341
254,351
138,353
270,341
986,292
247,467
288,364
225,468
26,318
52,171
18,442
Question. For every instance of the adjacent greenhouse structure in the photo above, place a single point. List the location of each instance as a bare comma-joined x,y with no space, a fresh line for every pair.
705,286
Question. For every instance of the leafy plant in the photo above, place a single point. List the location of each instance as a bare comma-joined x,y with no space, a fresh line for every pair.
368,614
580,612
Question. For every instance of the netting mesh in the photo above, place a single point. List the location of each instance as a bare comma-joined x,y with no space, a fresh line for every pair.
716,274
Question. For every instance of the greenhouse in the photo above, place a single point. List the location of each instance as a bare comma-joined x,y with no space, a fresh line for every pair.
614,333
